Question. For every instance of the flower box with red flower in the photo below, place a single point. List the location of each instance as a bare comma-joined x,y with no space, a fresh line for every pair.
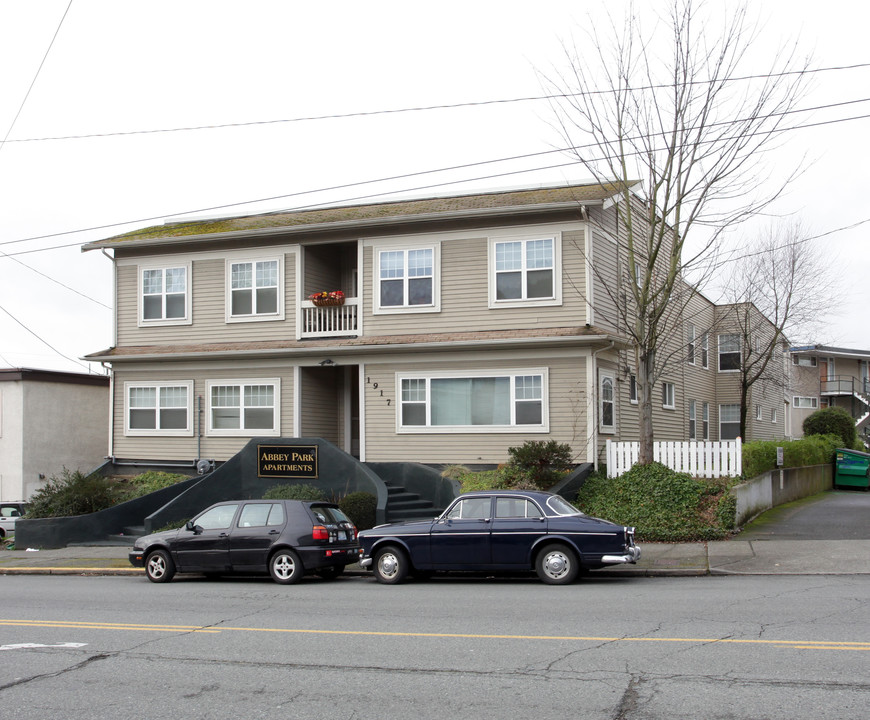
324,298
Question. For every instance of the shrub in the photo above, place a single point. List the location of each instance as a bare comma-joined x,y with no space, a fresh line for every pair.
541,463
663,505
149,482
73,493
454,472
294,492
361,508
833,421
759,456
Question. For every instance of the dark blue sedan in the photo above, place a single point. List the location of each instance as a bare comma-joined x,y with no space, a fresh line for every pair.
499,530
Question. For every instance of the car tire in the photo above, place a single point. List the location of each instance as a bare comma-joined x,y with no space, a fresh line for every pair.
390,565
159,566
285,567
557,565
331,572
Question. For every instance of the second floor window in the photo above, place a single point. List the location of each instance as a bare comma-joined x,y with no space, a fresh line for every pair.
254,288
806,402
406,278
524,269
690,344
164,295
632,389
729,353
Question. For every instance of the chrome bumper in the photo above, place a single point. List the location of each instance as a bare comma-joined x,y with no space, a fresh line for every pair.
365,563
631,556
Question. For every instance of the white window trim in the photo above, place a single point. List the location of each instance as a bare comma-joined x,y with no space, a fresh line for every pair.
556,237
673,396
814,402
632,396
719,352
544,427
607,429
693,420
691,344
228,290
188,292
143,432
241,432
773,415
405,246
705,420
730,422
704,349
758,412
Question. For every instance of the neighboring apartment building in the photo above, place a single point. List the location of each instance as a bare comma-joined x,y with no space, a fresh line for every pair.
824,376
469,324
49,420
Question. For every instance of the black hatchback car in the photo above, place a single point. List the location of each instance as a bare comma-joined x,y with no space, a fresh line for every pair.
285,538
499,530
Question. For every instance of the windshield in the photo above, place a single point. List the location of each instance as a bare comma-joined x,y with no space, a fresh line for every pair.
329,515
560,506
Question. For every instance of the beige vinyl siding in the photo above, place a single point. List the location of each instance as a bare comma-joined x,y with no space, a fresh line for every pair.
158,447
464,284
208,307
567,414
606,284
319,392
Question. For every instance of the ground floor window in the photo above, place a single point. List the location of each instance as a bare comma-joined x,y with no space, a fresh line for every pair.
247,407
692,421
729,422
485,401
158,409
806,402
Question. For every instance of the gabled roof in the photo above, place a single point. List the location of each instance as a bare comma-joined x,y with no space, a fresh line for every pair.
497,203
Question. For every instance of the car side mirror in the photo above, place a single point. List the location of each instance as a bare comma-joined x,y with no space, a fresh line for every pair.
190,527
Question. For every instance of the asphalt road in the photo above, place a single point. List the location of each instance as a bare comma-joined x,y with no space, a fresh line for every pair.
834,515
614,648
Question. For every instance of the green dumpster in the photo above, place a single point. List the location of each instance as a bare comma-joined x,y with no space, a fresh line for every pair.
852,469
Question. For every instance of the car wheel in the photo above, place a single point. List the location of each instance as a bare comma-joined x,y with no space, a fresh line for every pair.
557,565
159,566
330,573
390,565
286,567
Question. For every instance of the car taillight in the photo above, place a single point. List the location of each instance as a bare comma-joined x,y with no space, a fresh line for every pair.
355,532
319,532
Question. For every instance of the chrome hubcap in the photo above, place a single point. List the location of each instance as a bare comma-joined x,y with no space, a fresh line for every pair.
556,564
388,564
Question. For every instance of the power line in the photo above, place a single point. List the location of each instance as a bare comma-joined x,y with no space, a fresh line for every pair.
370,182
422,108
44,342
38,70
54,280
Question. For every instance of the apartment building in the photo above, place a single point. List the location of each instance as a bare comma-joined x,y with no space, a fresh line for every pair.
436,330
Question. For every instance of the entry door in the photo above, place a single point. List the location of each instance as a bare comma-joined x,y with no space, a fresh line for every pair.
462,539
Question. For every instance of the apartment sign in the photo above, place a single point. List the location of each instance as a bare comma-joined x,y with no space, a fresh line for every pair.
287,461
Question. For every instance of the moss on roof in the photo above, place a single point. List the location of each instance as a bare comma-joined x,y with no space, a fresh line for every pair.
590,192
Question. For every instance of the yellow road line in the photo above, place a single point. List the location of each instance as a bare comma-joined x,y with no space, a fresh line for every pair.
86,625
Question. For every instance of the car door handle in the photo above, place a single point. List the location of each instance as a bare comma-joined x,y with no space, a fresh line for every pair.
223,535
274,532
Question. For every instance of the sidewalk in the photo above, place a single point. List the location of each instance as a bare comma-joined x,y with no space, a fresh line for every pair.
729,557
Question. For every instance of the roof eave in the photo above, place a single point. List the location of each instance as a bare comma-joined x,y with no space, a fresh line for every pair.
366,224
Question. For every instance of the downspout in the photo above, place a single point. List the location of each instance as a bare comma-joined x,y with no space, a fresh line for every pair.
595,401
111,448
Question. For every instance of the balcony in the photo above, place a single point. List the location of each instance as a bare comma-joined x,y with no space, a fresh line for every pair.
331,320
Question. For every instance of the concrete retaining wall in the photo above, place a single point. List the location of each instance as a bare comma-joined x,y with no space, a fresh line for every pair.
777,487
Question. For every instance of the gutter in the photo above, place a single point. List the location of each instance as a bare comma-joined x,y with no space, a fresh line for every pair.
363,349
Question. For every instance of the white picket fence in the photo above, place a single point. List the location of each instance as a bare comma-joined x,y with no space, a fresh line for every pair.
699,459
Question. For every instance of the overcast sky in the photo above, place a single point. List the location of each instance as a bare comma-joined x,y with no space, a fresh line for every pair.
89,88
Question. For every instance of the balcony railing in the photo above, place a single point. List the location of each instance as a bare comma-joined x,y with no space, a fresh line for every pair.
330,320
845,385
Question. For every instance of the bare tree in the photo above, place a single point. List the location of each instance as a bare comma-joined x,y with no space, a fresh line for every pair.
679,119
781,286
